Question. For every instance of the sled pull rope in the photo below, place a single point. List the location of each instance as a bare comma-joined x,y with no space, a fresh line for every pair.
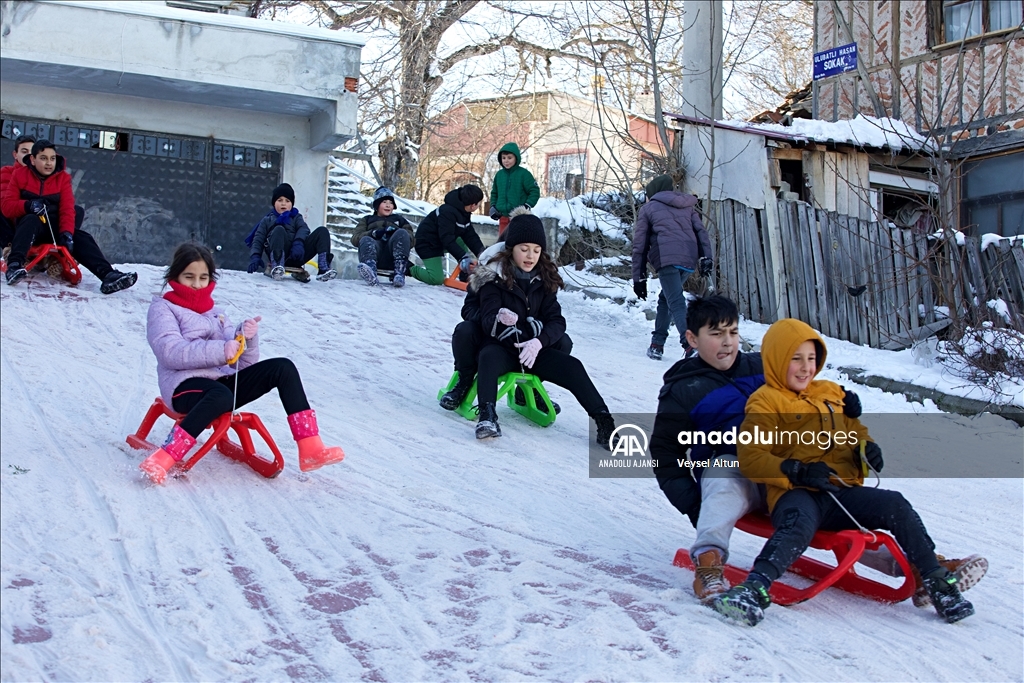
46,219
862,529
234,361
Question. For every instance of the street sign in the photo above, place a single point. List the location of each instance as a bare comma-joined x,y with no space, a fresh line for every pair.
838,60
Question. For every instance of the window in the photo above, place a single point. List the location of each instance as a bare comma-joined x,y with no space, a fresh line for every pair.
566,174
992,195
963,19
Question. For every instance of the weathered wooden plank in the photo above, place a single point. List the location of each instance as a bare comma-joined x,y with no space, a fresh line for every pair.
972,249
913,278
788,278
827,272
851,259
756,263
925,262
742,288
769,268
796,265
904,319
1013,278
729,231
885,252
807,266
838,257
761,269
820,277
959,279
868,303
841,179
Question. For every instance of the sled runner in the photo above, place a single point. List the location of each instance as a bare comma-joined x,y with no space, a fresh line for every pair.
242,423
848,546
300,274
37,257
454,282
531,386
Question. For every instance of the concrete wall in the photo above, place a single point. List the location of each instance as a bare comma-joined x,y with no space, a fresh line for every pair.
304,168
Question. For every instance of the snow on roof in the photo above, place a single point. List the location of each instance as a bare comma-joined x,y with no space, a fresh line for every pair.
863,131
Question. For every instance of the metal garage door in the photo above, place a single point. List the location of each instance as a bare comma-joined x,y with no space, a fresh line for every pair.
144,193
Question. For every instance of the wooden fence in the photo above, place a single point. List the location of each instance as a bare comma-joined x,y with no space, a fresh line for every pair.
858,280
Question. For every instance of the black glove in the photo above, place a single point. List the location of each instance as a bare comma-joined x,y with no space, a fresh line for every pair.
35,206
851,403
705,266
494,214
298,250
640,289
66,240
873,454
378,234
256,263
813,475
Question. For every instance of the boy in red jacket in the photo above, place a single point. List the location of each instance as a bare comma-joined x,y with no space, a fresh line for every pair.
22,149
38,191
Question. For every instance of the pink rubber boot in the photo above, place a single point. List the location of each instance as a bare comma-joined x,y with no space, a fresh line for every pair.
312,453
178,443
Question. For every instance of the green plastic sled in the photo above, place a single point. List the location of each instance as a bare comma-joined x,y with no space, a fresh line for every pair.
507,383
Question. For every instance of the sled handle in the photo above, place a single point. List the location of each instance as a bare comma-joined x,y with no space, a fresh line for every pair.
241,349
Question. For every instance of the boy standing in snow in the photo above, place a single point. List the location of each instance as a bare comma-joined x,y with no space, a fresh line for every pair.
670,235
383,239
38,188
513,186
286,239
811,487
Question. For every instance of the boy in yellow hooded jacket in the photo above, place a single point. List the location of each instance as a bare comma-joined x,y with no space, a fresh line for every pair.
806,452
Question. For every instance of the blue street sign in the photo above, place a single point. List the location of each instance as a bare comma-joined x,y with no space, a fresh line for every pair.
835,61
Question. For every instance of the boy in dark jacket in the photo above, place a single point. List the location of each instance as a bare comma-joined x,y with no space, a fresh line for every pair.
513,186
448,229
671,237
383,239
286,238
39,189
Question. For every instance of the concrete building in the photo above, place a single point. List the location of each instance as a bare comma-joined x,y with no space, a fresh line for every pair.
176,124
569,144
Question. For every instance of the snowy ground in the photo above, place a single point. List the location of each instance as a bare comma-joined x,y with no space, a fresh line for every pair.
425,555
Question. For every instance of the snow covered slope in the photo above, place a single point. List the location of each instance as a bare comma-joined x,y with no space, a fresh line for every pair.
425,555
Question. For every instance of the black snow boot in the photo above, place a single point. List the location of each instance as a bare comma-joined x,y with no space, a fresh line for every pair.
605,426
946,597
488,427
520,400
15,273
115,281
744,603
454,397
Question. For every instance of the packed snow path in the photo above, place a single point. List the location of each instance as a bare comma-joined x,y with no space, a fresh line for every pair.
425,555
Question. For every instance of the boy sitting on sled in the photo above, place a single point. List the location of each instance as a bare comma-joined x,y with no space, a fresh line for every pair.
812,487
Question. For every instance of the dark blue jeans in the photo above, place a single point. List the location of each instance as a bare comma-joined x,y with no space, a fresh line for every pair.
671,305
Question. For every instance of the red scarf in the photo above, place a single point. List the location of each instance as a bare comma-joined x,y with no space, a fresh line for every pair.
198,300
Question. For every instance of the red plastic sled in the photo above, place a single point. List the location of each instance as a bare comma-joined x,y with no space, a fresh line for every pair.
240,422
848,547
69,267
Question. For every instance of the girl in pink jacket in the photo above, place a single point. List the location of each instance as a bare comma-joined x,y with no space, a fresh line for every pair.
196,346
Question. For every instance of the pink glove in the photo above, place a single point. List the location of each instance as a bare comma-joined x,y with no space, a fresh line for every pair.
507,317
251,327
230,349
528,351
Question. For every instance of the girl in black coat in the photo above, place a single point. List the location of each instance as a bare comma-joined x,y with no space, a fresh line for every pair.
521,320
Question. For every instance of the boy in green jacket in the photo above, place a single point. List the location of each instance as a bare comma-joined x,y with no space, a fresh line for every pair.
513,186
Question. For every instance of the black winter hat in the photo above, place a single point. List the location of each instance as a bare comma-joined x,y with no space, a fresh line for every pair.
283,190
470,194
380,195
525,228
662,183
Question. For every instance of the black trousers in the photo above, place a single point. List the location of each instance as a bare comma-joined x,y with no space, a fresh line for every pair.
317,242
551,365
801,512
468,337
30,231
204,400
386,253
